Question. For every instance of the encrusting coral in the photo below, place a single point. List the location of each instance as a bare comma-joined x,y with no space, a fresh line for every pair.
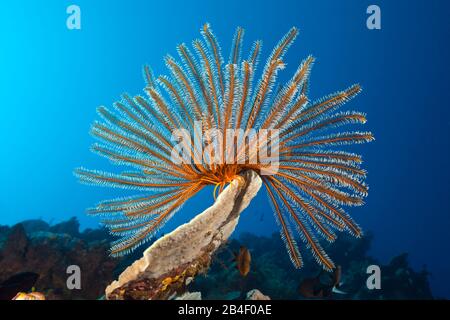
175,259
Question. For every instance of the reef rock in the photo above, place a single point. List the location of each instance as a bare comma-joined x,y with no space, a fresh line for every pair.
273,273
255,294
176,258
48,251
70,227
190,296
35,225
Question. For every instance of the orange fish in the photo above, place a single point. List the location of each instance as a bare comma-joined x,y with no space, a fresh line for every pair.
243,261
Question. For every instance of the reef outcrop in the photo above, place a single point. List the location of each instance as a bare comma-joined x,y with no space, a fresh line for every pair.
35,246
273,274
255,294
168,267
172,262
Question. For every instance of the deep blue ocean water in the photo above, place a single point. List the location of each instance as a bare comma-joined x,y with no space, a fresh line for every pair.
52,80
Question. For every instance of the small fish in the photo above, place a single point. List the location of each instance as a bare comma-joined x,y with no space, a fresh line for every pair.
243,261
29,296
323,285
337,280
17,283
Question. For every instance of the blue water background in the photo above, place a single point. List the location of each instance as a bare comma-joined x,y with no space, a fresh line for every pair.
52,79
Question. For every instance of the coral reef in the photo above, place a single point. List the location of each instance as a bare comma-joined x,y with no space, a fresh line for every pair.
273,274
35,246
176,258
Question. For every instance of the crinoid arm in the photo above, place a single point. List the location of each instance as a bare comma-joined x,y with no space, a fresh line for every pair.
207,94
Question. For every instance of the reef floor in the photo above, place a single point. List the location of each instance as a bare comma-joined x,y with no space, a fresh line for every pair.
47,250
